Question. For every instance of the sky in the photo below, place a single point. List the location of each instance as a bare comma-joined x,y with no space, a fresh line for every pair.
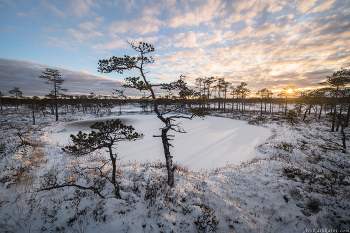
265,43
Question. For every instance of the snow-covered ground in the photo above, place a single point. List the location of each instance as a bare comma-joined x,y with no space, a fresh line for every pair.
210,142
296,181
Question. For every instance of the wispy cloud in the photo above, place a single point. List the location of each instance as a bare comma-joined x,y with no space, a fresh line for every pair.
264,42
305,5
194,13
53,9
322,7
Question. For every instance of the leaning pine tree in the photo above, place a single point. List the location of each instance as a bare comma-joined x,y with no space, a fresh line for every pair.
121,64
103,135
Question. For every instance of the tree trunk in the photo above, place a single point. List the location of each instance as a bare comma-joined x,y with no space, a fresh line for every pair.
114,170
33,117
339,117
233,102
319,115
225,101
56,104
285,110
333,119
335,109
347,117
168,157
306,113
343,136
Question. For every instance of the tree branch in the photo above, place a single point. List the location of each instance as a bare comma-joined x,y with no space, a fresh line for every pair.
72,185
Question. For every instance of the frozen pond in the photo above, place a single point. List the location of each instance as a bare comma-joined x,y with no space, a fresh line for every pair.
210,142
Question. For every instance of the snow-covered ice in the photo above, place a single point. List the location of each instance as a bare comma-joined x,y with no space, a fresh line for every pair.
209,142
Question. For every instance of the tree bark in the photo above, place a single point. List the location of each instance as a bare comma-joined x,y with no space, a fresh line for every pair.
168,157
33,117
319,115
56,103
114,170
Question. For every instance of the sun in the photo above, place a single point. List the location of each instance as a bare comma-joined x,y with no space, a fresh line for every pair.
290,91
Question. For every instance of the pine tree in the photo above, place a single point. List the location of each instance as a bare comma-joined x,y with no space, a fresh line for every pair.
121,64
107,135
15,91
337,82
53,78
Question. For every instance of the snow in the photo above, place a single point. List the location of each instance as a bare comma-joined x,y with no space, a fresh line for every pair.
296,180
210,142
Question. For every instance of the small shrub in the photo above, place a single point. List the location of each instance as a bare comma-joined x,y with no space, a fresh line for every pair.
207,221
292,117
314,205
293,173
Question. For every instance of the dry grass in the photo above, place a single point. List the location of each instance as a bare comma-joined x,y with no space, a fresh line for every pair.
36,158
33,143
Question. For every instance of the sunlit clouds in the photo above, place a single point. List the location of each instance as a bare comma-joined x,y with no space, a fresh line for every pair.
267,43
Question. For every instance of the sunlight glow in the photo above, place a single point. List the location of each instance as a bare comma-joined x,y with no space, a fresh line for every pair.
290,91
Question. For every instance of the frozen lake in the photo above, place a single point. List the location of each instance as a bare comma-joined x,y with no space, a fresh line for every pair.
210,142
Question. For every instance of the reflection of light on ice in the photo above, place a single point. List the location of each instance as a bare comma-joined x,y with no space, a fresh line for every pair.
208,143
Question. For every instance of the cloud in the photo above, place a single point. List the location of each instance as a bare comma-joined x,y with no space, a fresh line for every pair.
210,39
79,7
75,8
322,7
142,26
62,43
21,14
87,31
111,45
87,26
128,5
193,13
25,75
53,9
247,12
10,29
180,56
187,40
266,41
150,40
76,34
305,5
145,24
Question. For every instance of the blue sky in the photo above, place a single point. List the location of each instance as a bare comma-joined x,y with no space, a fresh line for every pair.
266,43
